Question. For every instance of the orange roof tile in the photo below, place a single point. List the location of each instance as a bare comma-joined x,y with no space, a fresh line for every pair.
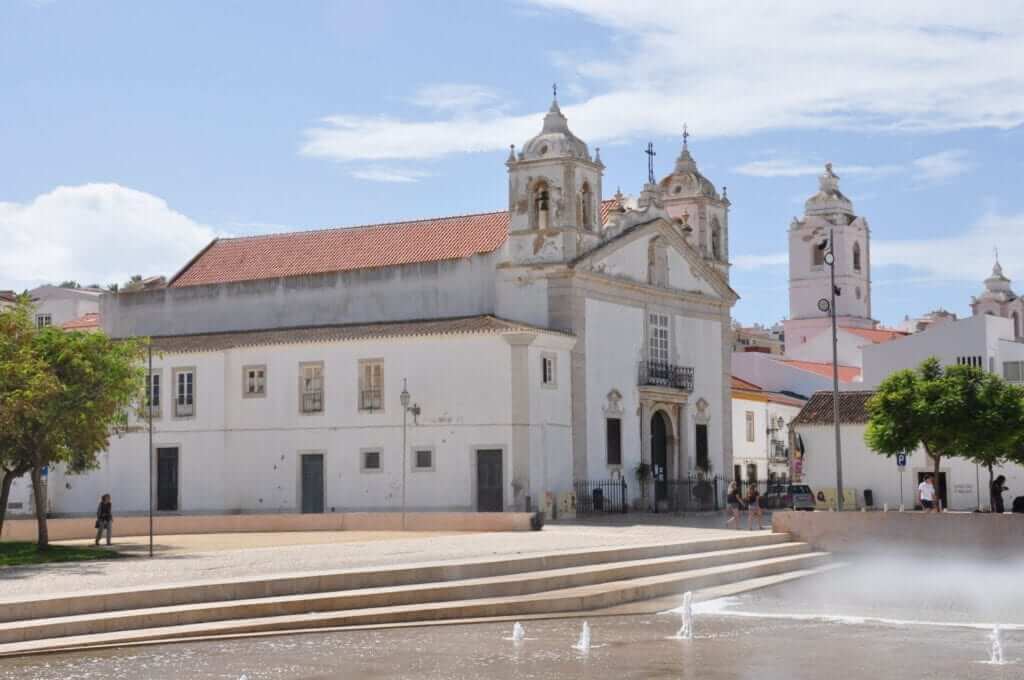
846,373
272,256
741,384
86,322
876,335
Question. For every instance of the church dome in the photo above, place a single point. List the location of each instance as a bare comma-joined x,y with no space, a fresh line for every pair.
686,180
997,286
555,139
829,198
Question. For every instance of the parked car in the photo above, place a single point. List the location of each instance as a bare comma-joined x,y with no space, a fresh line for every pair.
788,497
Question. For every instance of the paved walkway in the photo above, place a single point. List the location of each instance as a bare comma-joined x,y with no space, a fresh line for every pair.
182,559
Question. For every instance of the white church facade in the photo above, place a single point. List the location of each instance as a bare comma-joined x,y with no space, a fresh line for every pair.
566,338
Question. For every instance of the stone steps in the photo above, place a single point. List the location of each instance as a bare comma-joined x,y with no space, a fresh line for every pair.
510,585
561,600
196,592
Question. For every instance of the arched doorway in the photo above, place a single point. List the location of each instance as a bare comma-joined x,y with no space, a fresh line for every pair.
660,434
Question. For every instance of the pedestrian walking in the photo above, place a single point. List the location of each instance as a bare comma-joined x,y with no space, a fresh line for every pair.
926,494
104,518
734,505
754,508
998,487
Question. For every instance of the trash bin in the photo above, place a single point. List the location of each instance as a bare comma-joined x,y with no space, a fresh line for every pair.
869,498
598,499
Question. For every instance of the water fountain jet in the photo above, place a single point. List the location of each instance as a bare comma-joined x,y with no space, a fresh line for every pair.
686,629
996,654
518,632
583,644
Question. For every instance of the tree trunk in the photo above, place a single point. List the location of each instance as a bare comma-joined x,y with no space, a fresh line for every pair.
991,479
938,498
40,496
5,493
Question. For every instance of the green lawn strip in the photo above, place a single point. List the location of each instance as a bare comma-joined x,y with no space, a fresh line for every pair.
18,553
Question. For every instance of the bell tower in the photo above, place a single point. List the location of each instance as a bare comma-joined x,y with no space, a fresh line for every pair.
554,189
827,213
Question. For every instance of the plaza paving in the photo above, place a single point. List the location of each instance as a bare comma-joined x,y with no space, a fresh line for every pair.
181,559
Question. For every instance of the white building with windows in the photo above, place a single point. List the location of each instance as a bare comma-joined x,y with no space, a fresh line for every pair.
760,431
565,338
57,305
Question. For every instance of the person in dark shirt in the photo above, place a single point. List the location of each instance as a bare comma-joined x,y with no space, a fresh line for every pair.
998,487
734,505
754,507
104,518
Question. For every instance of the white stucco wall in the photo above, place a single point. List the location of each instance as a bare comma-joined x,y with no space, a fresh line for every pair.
757,452
243,454
819,348
865,469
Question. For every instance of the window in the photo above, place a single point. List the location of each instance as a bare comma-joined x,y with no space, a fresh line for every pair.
750,426
817,255
703,462
254,381
184,392
975,361
43,320
371,385
1013,371
423,459
613,439
657,338
541,202
547,370
311,388
587,207
716,239
153,393
657,262
751,472
1016,324
370,461
856,257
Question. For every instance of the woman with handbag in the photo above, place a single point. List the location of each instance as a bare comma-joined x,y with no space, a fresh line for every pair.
104,518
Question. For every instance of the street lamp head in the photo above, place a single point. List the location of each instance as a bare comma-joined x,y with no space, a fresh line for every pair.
405,398
823,305
830,258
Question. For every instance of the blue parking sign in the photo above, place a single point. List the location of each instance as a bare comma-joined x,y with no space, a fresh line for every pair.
901,460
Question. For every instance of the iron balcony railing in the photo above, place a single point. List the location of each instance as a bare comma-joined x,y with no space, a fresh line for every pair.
313,402
663,374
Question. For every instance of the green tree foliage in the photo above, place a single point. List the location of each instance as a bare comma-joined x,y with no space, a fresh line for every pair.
71,391
958,411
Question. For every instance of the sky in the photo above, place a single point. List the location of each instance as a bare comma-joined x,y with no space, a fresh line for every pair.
133,133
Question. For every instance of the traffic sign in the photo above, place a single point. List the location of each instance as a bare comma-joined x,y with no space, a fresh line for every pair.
901,460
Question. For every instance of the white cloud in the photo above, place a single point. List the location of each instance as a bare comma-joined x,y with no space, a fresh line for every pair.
456,97
778,167
738,68
394,175
942,166
94,233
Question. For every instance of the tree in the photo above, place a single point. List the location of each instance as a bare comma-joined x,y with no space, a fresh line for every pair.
70,284
80,387
928,406
997,419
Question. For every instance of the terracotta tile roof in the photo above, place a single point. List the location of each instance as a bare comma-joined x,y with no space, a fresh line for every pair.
818,409
250,258
740,383
8,296
876,335
212,342
846,373
86,322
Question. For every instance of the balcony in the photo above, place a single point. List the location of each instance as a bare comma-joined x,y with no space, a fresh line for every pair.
778,452
659,374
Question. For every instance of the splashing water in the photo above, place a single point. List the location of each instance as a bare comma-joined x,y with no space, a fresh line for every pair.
518,632
996,655
583,644
686,629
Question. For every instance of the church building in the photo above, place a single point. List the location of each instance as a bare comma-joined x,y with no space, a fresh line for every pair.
474,362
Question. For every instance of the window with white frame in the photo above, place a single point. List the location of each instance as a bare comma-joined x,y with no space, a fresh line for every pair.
1013,371
370,460
254,381
311,387
751,434
371,385
657,338
43,320
153,393
184,392
423,459
547,370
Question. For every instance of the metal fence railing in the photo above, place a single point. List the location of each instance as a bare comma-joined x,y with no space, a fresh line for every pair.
605,495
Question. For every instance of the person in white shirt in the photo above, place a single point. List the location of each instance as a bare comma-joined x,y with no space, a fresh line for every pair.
926,494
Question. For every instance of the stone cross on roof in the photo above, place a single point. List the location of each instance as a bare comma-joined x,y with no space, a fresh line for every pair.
651,153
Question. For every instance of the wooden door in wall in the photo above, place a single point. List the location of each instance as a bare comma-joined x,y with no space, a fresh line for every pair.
489,481
312,483
167,479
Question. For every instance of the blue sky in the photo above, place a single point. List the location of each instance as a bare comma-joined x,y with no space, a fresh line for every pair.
134,132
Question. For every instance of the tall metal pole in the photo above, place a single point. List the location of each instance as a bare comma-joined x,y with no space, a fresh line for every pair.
835,368
404,399
149,456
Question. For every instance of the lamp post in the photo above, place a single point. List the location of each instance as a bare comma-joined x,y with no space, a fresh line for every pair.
405,399
830,306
